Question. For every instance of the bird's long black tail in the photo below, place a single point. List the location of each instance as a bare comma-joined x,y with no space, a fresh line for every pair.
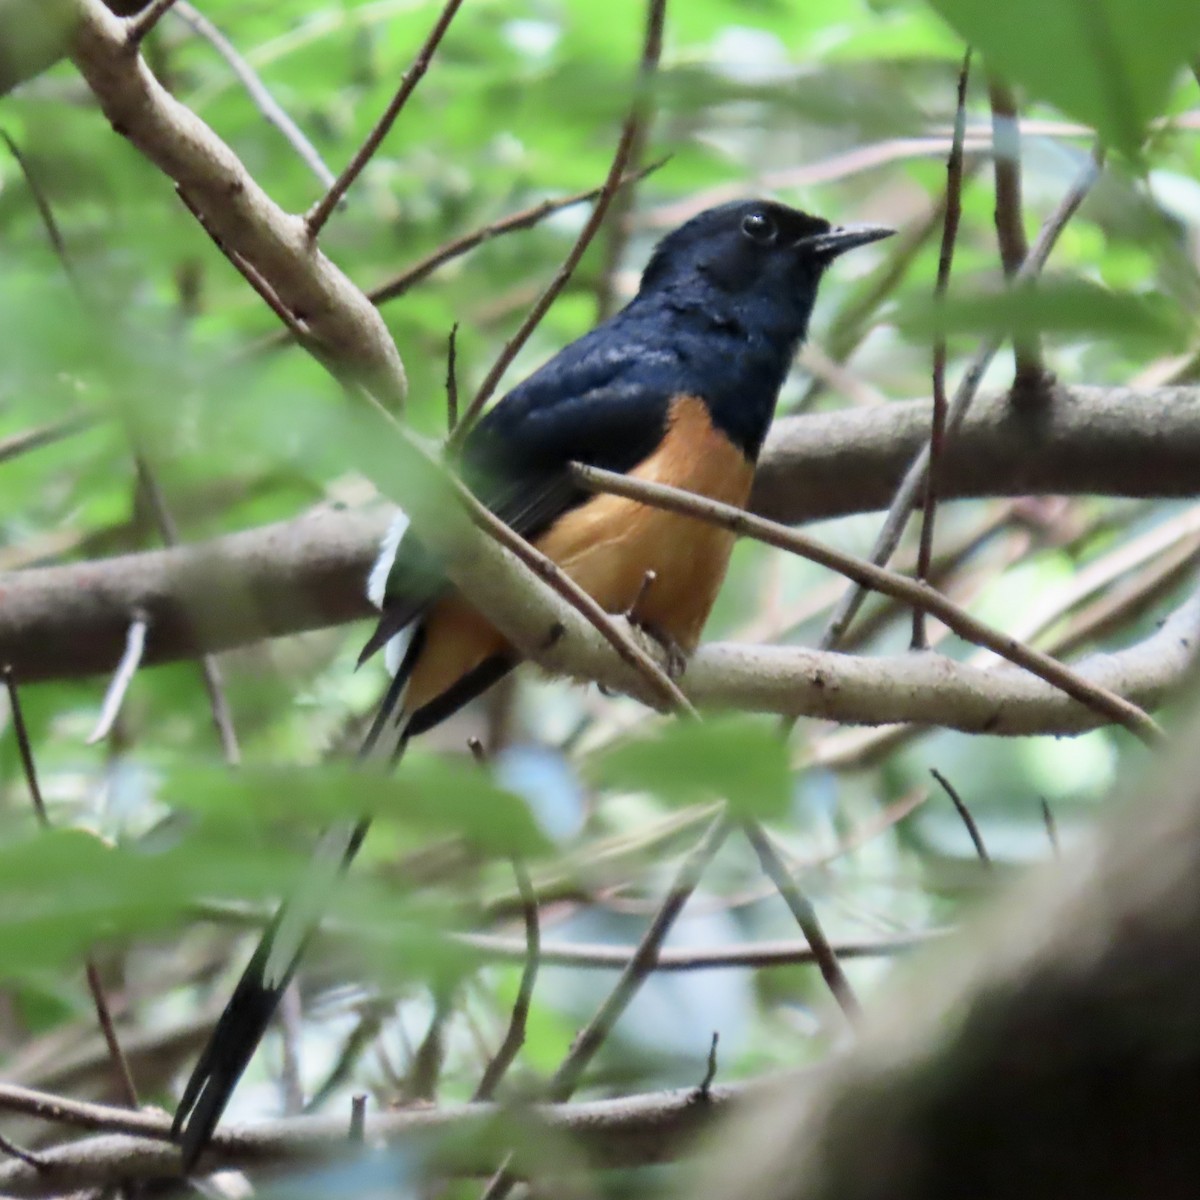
244,1021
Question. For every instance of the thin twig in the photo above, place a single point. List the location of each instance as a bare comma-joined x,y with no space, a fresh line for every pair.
806,917
651,51
965,813
426,1068
641,965
44,210
871,577
452,379
514,1038
17,444
639,968
108,1029
258,92
95,985
1029,379
742,956
114,697
357,1040
704,1091
25,747
1051,826
914,479
19,1152
320,212
526,218
210,668
937,427
137,27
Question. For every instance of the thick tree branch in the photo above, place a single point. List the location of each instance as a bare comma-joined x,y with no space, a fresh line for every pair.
234,207
635,1131
71,621
1106,441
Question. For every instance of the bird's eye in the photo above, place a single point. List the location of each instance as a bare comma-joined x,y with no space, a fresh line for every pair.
758,227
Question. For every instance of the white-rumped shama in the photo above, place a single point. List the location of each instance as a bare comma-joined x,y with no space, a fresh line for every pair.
679,387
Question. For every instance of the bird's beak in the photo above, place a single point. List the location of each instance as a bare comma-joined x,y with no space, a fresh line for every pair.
842,238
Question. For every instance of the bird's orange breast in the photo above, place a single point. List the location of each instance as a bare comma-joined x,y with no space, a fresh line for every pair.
609,544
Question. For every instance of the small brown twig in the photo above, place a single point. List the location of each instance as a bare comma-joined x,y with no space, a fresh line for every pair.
740,956
25,747
704,1090
137,27
869,576
651,51
641,965
114,697
1029,379
965,813
258,92
937,428
426,1069
914,479
514,1038
95,985
19,1152
639,968
806,917
452,379
526,218
28,440
320,212
108,1029
1051,826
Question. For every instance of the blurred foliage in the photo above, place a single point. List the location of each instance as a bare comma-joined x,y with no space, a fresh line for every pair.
839,106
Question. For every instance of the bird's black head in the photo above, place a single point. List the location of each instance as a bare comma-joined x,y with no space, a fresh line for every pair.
729,295
762,259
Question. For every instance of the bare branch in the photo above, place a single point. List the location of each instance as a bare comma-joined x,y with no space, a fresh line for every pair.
651,50
906,496
258,92
139,26
70,621
867,575
937,427
320,212
237,210
1029,380
965,814
634,1131
514,1037
750,955
802,909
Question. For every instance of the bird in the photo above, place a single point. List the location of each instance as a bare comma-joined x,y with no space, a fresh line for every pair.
679,387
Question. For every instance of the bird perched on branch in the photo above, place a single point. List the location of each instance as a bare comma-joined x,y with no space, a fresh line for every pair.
679,388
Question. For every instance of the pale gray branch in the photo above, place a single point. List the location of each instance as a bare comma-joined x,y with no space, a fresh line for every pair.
234,207
635,1131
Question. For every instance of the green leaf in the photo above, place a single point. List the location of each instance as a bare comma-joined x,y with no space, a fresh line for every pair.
1110,63
427,794
739,759
1076,307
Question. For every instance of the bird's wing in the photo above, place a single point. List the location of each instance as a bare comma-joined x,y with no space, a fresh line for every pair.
607,408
